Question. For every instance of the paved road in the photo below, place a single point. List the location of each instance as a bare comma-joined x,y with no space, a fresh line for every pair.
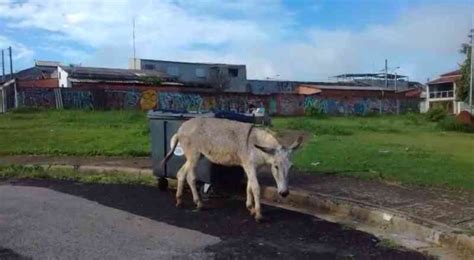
44,224
57,219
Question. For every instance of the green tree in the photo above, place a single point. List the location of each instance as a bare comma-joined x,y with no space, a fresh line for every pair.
462,93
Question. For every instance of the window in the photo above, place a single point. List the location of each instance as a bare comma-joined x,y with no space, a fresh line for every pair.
173,71
234,72
149,66
200,73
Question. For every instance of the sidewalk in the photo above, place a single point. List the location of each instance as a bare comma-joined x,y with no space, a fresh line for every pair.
454,209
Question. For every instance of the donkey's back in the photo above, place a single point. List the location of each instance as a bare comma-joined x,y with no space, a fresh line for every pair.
222,141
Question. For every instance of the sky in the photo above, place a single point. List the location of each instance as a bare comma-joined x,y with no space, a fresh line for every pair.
280,39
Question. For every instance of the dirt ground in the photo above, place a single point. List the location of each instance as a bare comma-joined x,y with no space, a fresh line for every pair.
284,234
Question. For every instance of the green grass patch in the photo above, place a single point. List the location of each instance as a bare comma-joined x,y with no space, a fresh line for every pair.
21,172
69,132
404,149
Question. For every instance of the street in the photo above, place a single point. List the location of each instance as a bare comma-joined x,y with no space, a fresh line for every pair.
42,219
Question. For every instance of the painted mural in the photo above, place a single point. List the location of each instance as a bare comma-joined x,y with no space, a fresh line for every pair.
148,100
77,99
122,99
281,104
180,101
37,97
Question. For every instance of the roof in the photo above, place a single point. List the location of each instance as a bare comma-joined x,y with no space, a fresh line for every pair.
47,63
370,75
94,73
452,73
322,83
193,63
448,77
340,87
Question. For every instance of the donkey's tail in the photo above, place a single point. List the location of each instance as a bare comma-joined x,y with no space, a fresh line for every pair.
174,143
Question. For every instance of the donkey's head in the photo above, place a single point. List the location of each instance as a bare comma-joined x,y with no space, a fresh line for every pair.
281,164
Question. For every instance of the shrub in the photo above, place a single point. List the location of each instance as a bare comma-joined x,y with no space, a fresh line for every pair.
315,112
451,124
412,118
436,113
26,110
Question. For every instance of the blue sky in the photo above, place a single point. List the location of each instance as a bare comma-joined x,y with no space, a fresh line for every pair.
301,40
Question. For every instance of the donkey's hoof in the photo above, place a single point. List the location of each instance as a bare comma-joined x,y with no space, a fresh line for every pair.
252,211
259,218
179,204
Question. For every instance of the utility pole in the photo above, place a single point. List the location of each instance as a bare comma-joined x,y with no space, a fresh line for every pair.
3,65
386,71
11,61
471,88
395,81
134,50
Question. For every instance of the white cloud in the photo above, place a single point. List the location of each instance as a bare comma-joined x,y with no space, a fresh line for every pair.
423,41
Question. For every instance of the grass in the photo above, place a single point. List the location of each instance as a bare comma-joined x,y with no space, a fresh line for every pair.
402,149
21,172
70,132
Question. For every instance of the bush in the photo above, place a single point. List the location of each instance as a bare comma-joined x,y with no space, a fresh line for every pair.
451,124
412,118
315,112
435,114
26,110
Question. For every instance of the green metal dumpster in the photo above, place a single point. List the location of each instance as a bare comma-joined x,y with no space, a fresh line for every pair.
163,125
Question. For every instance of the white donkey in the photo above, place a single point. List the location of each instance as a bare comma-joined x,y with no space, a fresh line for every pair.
231,143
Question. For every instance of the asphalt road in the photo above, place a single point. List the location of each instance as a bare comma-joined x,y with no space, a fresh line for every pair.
63,220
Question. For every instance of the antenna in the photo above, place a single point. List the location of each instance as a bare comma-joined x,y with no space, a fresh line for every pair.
134,50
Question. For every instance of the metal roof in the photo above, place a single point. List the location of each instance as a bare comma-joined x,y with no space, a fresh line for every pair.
370,75
112,73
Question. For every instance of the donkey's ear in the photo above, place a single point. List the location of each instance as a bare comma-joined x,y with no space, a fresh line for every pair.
265,149
296,144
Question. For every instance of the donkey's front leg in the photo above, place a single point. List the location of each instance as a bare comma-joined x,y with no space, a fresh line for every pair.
255,190
249,201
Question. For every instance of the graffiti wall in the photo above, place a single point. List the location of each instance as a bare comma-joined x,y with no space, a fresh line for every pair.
277,104
37,97
352,105
77,99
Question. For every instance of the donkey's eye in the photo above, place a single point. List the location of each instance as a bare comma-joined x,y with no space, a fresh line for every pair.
276,167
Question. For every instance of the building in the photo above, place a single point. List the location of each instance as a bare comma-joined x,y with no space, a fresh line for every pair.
442,92
228,77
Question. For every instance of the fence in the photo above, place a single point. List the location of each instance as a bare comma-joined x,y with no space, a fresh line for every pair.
276,104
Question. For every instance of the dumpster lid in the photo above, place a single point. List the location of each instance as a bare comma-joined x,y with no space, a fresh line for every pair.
173,114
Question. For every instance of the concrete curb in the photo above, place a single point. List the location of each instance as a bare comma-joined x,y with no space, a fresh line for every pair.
344,210
335,209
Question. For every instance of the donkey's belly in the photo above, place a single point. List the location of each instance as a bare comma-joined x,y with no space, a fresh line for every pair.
227,159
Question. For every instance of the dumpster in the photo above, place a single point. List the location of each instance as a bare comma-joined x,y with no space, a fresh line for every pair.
163,125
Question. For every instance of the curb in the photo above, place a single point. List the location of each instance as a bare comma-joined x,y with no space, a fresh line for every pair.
334,209
346,210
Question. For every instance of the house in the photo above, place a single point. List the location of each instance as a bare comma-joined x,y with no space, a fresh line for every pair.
442,92
229,77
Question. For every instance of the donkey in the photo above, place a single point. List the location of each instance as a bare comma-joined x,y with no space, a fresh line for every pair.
231,143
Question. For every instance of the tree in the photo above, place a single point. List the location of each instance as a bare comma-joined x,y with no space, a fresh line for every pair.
463,84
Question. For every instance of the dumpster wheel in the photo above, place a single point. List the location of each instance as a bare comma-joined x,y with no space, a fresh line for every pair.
162,183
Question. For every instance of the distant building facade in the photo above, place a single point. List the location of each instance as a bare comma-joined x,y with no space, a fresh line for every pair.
231,77
442,92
